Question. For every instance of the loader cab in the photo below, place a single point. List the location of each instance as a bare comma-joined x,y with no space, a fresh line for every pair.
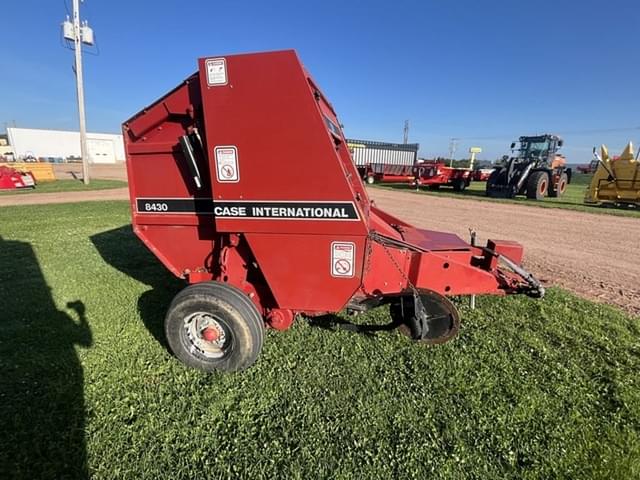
541,147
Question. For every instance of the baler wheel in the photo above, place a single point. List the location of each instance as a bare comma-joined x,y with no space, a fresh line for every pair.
214,326
443,318
371,180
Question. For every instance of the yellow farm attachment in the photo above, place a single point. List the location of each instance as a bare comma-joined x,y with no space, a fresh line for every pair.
616,180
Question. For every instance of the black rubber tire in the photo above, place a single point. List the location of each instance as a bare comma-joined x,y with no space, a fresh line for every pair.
231,308
561,188
492,180
435,186
459,185
537,185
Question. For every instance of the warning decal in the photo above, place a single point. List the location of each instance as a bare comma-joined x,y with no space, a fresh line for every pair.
227,164
342,258
216,71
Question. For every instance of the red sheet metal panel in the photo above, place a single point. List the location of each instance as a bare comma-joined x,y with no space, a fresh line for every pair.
272,137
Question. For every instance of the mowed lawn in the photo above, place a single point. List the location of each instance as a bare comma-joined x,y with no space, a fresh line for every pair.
67,186
529,389
573,199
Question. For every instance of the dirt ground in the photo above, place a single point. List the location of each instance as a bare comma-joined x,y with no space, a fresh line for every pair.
595,256
74,170
64,197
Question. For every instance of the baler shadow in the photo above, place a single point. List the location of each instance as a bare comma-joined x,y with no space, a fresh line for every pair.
121,249
333,323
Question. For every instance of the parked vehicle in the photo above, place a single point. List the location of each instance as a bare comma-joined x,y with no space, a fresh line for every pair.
536,171
11,179
435,174
260,253
384,162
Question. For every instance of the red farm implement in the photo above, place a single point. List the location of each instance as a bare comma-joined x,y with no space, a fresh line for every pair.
221,195
435,174
391,174
11,179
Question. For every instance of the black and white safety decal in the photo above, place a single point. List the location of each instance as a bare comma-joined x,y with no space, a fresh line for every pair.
250,209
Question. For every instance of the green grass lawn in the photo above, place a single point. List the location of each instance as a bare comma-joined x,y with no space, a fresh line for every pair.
529,389
571,200
67,186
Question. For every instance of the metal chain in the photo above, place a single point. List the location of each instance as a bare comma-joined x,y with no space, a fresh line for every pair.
421,312
373,237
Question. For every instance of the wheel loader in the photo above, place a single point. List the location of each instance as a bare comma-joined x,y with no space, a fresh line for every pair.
537,170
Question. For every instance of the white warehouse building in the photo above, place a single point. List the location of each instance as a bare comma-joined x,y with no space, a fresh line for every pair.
102,147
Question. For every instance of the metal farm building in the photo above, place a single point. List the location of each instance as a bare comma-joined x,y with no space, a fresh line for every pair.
61,144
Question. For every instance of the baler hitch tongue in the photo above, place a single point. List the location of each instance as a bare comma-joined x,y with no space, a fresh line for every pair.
534,288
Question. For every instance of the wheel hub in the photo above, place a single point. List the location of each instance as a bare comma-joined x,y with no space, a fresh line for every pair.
206,334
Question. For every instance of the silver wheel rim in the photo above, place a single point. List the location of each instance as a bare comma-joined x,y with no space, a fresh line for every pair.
206,335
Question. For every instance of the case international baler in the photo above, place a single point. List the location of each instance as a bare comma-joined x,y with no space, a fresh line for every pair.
221,194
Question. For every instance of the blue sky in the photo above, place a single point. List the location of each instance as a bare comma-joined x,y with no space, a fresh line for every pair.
483,71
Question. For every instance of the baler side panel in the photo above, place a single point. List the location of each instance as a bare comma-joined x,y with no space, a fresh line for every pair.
298,270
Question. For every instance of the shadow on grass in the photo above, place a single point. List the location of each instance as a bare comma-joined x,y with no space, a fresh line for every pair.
121,249
42,420
333,322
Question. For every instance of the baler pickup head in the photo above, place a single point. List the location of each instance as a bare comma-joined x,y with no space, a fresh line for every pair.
242,183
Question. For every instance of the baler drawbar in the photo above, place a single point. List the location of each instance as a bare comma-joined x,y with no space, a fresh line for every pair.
242,183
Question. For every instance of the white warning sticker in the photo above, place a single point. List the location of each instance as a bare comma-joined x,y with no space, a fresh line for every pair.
343,255
227,164
216,71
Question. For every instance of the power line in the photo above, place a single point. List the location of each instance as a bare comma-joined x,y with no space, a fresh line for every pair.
566,132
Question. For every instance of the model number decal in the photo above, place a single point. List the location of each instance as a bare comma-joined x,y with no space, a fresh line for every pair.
155,207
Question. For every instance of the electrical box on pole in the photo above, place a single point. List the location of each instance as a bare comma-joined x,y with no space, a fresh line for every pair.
86,34
67,29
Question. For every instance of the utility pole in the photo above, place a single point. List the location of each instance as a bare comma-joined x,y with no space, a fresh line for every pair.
453,145
79,34
80,88
406,132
